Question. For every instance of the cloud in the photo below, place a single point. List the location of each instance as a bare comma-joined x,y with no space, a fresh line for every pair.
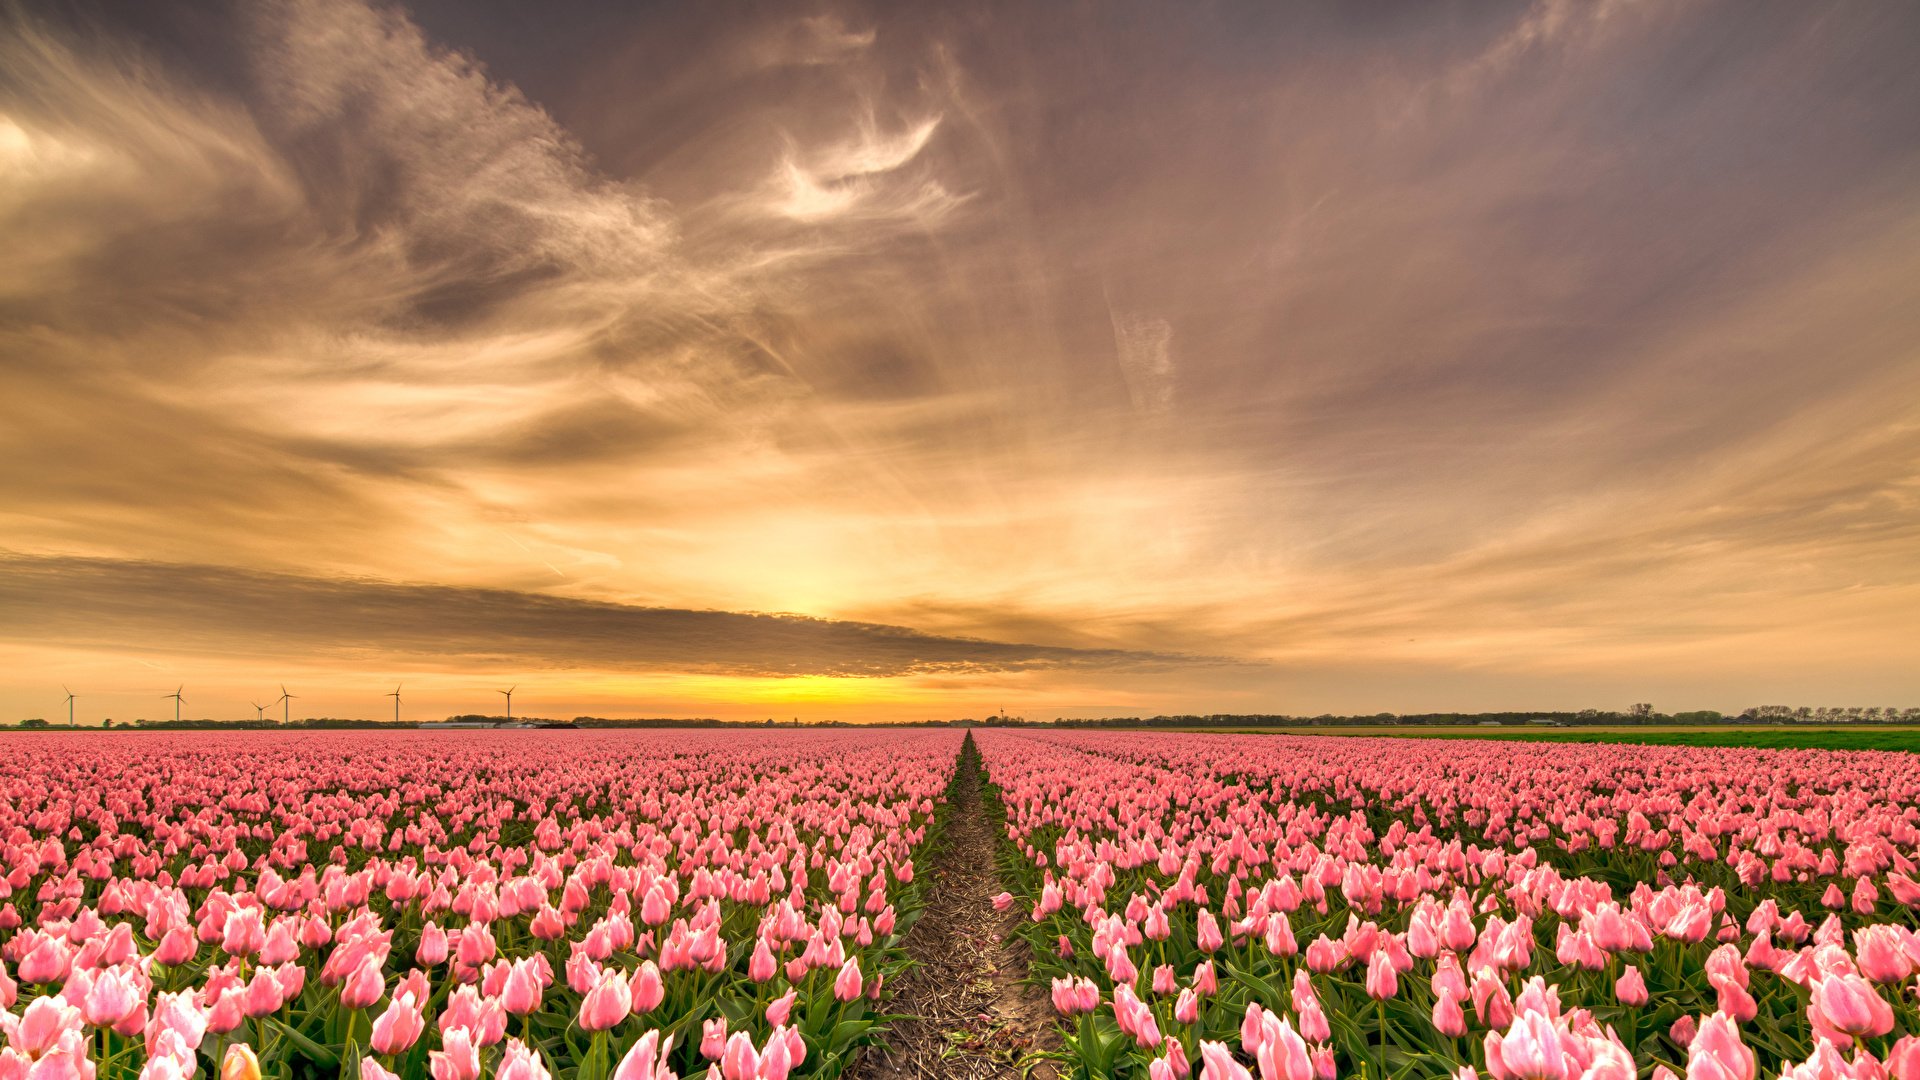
848,180
112,605
1557,337
1145,348
811,39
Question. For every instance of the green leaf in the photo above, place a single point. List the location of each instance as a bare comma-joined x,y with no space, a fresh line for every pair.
311,1049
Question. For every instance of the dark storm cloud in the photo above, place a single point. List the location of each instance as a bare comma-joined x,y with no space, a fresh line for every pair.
146,606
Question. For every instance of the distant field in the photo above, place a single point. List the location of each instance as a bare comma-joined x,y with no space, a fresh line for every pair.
1773,738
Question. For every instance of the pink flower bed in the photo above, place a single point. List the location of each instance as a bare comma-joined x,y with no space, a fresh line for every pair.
518,905
1301,908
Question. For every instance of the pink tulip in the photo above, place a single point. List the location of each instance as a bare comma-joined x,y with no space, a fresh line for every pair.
1314,1025
1448,1018
647,1059
156,1068
1610,1061
176,947
457,1059
1217,1063
780,1008
762,966
1283,1053
400,1026
43,1026
1164,980
847,985
263,995
433,949
1885,953
1630,989
608,1003
46,962
776,1059
364,987
522,990
282,943
110,999
178,1017
1903,1062
655,909
244,932
1735,1002
1530,1050
738,1059
1717,1053
1066,1000
1382,981
1846,1006
520,1063
1205,981
648,988
1207,935
228,1010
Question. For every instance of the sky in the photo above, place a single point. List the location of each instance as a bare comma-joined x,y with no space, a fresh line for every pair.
858,362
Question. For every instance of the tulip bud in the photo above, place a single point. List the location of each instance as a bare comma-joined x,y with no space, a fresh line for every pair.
240,1063
1630,988
1448,1018
847,985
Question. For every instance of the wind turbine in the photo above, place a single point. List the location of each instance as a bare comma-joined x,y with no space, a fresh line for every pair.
177,701
259,710
509,693
284,703
69,706
395,695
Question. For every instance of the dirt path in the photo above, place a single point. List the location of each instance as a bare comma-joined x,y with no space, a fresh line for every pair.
970,1013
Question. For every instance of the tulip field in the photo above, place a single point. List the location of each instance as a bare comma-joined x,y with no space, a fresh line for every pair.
515,906
648,905
1304,908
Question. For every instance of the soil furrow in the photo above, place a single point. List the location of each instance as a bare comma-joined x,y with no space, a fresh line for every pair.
970,1014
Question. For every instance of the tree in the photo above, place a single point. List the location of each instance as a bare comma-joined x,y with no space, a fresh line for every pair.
36,722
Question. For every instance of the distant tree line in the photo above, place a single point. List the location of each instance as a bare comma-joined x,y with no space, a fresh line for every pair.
1851,714
1639,714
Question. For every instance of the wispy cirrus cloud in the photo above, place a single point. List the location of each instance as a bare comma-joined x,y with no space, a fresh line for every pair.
1479,344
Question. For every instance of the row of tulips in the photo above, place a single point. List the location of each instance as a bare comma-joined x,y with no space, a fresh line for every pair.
1306,908
632,905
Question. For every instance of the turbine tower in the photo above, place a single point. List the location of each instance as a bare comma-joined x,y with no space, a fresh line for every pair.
177,701
69,706
509,694
395,695
284,703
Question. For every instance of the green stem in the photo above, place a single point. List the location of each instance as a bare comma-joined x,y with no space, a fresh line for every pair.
1380,1009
